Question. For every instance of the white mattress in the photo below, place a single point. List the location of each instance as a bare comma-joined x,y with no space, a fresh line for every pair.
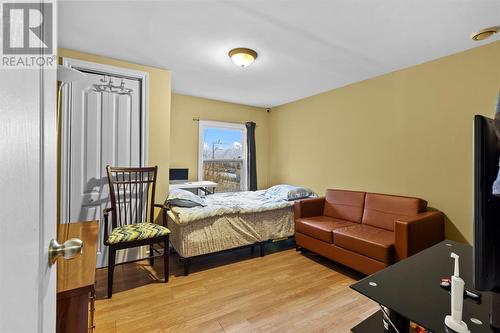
222,204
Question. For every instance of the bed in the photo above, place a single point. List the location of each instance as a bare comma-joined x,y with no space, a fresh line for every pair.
232,220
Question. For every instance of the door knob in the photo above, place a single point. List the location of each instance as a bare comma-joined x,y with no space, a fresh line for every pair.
68,250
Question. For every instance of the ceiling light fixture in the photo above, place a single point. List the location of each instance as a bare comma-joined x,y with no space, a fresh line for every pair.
242,57
484,33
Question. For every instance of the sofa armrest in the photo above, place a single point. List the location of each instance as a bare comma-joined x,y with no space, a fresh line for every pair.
309,207
416,233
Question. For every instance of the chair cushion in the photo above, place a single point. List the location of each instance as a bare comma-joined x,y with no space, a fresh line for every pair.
320,227
375,243
133,232
344,205
382,210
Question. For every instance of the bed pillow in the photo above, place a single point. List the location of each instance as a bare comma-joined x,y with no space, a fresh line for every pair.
280,191
300,193
290,192
186,199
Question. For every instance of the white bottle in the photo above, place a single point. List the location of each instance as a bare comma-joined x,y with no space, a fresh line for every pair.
455,321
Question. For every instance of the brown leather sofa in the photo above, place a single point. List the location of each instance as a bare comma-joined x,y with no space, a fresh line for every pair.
366,231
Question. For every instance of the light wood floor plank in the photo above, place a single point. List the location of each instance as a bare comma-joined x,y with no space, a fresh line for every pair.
285,291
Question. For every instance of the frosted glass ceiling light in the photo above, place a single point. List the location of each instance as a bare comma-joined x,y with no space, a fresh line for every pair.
484,33
242,57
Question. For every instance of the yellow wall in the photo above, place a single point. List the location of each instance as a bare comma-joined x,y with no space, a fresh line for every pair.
408,132
159,113
184,131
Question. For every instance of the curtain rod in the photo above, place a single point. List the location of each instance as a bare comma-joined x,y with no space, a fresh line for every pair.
234,122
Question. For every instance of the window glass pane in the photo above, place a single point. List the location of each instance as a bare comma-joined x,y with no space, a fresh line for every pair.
219,143
223,158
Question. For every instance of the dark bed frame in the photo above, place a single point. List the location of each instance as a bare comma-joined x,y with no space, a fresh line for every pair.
187,261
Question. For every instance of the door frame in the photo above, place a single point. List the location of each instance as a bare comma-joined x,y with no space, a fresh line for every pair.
48,198
97,68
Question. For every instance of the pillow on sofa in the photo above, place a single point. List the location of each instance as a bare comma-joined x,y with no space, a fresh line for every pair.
290,192
186,199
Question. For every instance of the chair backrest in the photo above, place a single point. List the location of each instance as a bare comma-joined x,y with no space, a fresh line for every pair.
132,194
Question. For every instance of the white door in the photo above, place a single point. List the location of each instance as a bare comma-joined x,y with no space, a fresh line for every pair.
103,128
28,152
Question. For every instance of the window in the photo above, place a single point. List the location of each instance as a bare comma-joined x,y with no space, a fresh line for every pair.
222,156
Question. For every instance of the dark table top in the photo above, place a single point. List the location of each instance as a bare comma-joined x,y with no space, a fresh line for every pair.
411,288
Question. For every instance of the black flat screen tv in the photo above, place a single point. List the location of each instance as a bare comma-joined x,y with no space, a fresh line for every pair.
486,206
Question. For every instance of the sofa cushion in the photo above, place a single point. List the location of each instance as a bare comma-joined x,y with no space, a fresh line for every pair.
320,227
383,210
344,205
375,243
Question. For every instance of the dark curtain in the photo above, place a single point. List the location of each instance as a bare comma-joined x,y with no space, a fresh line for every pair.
251,162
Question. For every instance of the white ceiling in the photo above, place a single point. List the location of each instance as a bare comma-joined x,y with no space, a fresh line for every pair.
304,46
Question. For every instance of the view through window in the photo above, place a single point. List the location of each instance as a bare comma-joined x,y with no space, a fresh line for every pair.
222,155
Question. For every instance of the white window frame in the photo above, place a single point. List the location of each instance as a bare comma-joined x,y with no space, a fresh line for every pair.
204,124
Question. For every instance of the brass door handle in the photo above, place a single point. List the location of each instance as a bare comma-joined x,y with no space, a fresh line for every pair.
68,250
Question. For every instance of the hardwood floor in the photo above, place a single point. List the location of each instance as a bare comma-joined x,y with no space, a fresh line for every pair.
285,291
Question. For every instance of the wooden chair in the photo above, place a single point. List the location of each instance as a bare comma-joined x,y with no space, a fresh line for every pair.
132,195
